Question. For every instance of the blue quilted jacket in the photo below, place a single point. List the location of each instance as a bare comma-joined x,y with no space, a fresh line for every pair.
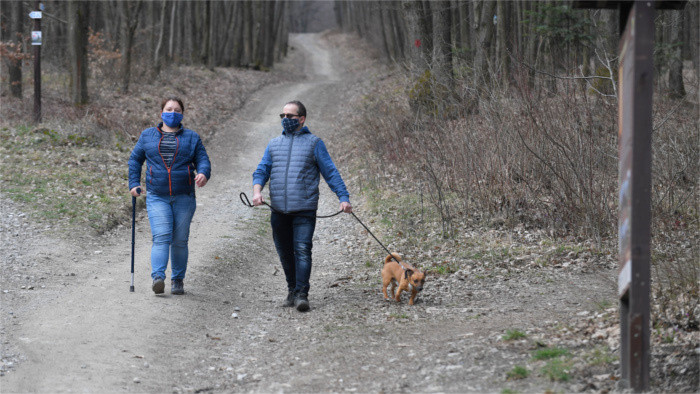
190,156
292,163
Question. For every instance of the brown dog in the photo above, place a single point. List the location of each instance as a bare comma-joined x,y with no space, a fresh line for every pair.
407,279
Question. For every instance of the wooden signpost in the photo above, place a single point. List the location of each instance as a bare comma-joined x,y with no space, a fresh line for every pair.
636,78
636,85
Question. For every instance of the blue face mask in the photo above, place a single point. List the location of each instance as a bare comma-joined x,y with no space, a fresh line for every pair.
172,119
290,124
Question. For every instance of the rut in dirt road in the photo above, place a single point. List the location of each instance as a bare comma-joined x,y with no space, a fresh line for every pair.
228,332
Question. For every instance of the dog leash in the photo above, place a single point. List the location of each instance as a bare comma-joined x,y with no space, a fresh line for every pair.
246,202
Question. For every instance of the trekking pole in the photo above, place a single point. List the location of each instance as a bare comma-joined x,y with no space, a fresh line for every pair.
133,236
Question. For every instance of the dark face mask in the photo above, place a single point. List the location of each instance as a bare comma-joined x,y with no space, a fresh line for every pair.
290,124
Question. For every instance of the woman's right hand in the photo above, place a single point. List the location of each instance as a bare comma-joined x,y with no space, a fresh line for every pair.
136,191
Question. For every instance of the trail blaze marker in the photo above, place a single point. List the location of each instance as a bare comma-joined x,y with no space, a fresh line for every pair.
636,83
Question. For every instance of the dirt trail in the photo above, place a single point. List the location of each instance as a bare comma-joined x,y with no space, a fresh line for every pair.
87,333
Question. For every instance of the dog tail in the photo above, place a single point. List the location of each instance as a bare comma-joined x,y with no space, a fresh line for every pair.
388,257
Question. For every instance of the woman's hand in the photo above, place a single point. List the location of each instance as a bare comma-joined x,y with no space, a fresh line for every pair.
136,191
345,207
200,180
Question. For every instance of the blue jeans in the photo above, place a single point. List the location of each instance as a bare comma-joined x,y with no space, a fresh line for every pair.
170,218
293,240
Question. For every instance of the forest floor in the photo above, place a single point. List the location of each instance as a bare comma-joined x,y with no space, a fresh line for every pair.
501,322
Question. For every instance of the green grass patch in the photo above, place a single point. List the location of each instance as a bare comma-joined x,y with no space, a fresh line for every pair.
558,370
512,335
60,183
518,372
549,353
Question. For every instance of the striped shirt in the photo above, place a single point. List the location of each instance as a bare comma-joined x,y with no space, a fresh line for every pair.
168,145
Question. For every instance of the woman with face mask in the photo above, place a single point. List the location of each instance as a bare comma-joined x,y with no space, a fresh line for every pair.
176,161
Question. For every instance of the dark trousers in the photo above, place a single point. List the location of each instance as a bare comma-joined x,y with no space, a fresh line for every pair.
293,234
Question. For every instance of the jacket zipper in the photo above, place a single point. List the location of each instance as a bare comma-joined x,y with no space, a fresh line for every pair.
177,147
189,176
286,174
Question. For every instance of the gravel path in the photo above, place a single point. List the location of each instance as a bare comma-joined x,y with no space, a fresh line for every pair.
69,322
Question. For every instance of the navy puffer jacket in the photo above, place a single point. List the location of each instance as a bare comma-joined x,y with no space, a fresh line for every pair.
190,156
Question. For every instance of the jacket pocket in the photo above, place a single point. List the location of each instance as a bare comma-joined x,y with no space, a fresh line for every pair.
189,175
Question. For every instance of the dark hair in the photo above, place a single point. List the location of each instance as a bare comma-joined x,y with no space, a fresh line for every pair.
172,98
300,107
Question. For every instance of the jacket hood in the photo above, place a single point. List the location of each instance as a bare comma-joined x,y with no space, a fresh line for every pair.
303,130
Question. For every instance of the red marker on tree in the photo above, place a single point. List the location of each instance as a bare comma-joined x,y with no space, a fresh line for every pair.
417,43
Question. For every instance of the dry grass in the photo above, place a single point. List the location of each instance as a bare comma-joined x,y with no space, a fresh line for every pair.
537,164
70,171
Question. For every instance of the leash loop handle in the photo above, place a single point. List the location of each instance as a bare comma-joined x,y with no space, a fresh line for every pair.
245,200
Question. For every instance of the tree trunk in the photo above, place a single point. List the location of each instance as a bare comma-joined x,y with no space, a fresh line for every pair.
157,53
225,46
397,30
77,50
258,48
248,32
485,36
238,37
382,29
442,44
338,12
12,26
171,35
129,12
502,39
675,69
268,25
204,28
419,36
532,50
694,27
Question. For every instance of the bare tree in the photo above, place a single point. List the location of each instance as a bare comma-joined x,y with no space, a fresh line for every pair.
157,52
442,44
12,28
485,37
77,48
129,12
675,71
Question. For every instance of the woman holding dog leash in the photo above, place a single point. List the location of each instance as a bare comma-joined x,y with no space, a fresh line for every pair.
176,161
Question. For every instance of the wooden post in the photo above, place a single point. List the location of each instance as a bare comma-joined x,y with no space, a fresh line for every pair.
636,76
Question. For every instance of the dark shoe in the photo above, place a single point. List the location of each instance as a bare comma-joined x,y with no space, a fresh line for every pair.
178,287
289,302
301,303
158,285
